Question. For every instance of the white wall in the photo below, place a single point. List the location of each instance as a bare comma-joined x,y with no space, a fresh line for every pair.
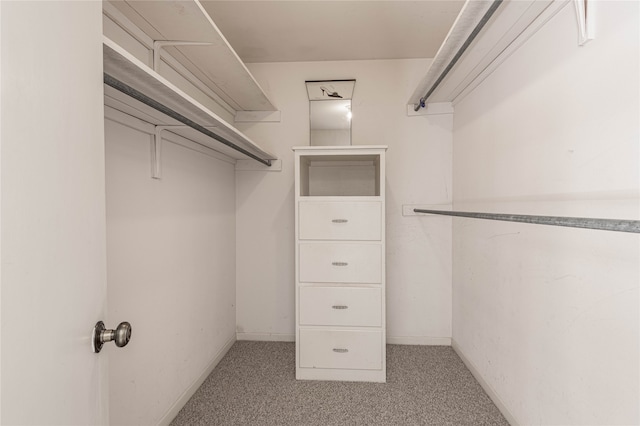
322,137
549,316
171,269
418,172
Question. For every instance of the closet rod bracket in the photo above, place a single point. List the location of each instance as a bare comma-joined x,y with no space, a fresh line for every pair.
156,148
584,14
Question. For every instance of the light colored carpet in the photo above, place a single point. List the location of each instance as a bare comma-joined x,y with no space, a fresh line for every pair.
255,385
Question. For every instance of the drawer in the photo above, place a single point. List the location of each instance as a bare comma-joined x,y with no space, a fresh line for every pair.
359,220
347,306
340,263
357,350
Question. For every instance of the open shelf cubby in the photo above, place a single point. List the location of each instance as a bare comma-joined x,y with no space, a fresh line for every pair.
346,175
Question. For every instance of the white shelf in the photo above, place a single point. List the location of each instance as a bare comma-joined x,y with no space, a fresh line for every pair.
511,25
217,65
121,65
346,171
327,150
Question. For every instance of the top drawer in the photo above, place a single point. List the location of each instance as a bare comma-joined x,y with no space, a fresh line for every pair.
340,220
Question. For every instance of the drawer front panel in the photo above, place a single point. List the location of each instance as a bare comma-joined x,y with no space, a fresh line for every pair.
340,263
359,221
342,306
359,350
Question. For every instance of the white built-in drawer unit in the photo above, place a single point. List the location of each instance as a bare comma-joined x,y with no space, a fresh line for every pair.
340,265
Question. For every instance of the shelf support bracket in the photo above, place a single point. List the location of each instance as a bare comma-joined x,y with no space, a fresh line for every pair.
156,149
158,45
584,13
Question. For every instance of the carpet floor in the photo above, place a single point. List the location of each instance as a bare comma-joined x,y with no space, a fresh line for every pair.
255,384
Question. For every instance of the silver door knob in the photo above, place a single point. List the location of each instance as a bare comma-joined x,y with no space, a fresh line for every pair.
121,335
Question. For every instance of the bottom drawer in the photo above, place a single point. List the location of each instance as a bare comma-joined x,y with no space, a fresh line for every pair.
355,350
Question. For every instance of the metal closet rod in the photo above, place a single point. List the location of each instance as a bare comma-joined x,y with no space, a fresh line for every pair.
135,94
618,225
485,18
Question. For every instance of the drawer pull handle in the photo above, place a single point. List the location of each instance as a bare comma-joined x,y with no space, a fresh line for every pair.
340,307
339,221
341,350
339,263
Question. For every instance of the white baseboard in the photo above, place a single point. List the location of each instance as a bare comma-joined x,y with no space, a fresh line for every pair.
486,386
395,340
419,340
188,393
266,337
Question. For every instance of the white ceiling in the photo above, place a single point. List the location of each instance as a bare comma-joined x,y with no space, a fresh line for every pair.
293,31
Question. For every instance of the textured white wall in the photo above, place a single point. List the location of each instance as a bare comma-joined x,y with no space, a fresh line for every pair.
418,172
549,316
331,137
171,270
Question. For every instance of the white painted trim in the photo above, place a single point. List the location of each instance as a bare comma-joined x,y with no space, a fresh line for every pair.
191,390
336,150
485,385
102,409
419,340
254,166
257,116
435,108
407,209
266,337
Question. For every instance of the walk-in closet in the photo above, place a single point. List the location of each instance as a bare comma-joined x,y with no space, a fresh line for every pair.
320,212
